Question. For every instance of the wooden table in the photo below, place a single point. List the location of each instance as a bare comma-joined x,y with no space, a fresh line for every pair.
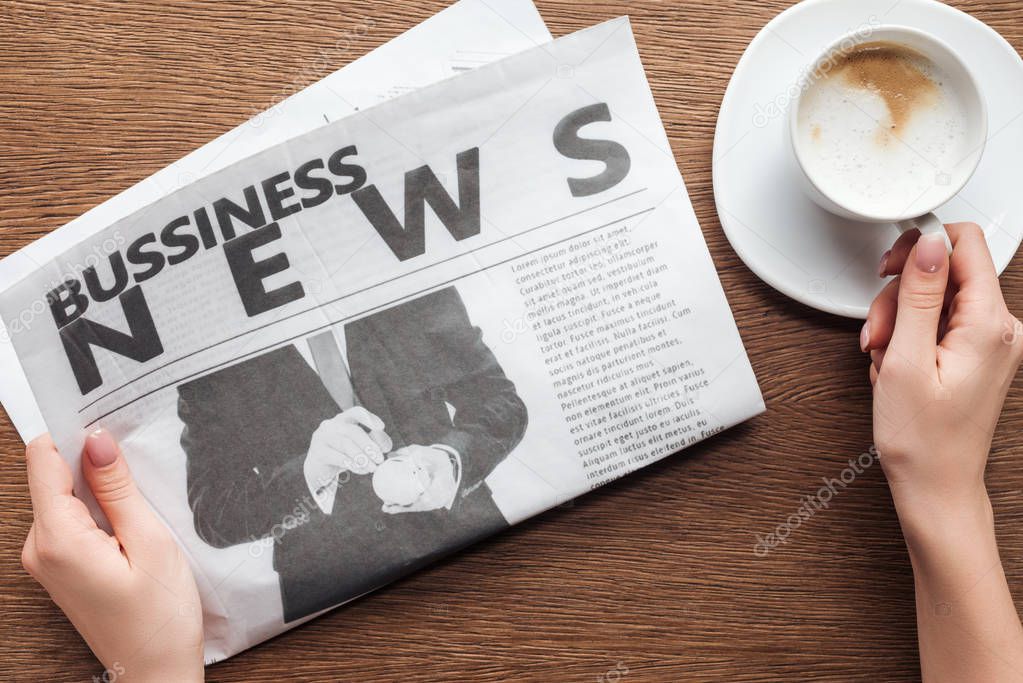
654,578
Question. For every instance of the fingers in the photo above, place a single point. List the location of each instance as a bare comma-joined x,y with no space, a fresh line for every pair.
921,300
877,331
384,445
973,297
351,447
28,552
978,319
359,445
894,260
360,415
49,480
972,268
355,457
107,473
877,358
63,532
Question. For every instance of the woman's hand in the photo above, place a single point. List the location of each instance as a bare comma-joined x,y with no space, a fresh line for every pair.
131,595
944,351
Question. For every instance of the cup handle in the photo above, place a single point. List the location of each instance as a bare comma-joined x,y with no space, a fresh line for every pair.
927,225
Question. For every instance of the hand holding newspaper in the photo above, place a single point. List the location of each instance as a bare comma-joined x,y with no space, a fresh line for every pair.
335,361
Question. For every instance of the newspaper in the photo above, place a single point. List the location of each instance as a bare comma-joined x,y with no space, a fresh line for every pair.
355,352
461,37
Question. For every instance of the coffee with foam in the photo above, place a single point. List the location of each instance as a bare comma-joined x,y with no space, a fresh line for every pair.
880,126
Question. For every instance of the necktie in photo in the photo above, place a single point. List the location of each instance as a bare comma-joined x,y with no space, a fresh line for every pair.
331,368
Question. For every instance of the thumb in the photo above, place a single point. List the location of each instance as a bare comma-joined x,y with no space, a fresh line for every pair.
921,299
107,473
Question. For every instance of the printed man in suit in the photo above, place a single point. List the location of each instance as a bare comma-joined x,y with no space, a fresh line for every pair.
311,421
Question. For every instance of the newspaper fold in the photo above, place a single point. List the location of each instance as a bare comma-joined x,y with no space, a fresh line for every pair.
355,352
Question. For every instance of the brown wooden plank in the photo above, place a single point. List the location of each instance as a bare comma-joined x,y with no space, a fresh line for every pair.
656,574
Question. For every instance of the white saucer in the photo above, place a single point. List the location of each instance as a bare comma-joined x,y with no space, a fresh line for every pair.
824,261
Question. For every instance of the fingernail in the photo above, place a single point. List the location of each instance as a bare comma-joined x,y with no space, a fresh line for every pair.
883,270
865,337
101,448
931,253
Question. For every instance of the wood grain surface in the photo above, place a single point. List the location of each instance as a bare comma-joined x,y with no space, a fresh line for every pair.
653,578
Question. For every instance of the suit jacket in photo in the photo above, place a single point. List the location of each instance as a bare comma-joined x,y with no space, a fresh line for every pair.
425,371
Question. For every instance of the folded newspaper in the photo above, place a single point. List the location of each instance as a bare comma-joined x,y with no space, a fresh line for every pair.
368,346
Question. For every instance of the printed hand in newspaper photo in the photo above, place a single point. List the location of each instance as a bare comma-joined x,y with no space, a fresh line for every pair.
353,441
417,479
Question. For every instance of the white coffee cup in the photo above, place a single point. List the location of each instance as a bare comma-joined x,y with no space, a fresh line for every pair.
919,213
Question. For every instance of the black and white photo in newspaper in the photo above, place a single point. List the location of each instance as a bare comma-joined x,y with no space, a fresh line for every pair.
355,352
273,441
